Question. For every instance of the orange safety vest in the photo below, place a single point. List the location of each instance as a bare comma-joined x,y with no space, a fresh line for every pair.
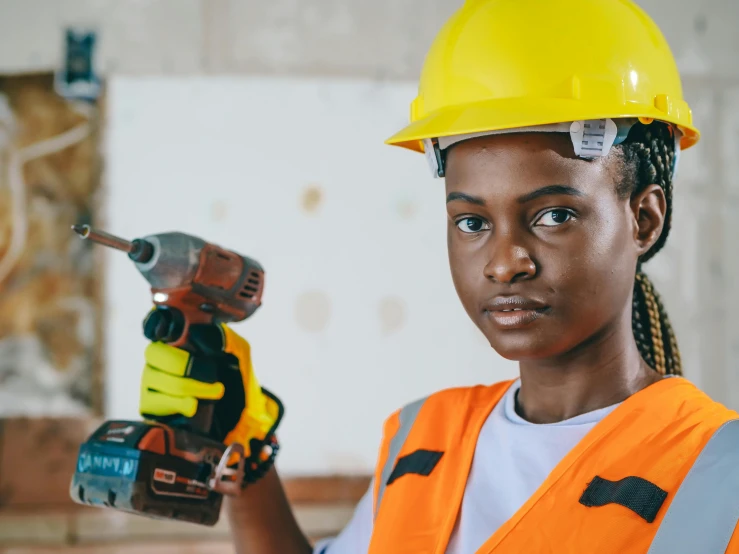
609,495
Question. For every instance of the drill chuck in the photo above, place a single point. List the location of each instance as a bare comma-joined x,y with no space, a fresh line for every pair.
142,251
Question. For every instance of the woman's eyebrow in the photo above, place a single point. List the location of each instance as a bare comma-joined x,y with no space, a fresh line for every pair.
550,190
452,196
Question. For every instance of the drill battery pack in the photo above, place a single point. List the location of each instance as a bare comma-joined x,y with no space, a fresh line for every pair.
152,469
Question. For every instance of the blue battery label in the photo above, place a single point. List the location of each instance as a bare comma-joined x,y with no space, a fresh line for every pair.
105,464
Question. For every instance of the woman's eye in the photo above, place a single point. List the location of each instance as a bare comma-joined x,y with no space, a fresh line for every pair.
472,225
552,218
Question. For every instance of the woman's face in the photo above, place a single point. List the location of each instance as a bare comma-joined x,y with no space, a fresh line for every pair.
542,249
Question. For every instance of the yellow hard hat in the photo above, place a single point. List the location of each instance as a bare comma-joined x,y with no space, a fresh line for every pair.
510,64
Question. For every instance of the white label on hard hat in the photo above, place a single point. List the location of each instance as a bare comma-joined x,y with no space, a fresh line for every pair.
593,138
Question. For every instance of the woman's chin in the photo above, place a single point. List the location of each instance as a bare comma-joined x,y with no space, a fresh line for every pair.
522,348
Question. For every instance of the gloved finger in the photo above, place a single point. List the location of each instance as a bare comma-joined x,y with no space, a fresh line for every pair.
158,404
164,324
167,358
154,325
160,381
181,363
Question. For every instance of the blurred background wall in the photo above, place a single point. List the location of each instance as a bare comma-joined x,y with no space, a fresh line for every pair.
259,126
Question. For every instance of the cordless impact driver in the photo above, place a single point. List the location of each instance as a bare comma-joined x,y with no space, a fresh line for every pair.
168,467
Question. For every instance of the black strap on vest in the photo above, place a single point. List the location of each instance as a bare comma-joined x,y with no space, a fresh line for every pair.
637,494
420,462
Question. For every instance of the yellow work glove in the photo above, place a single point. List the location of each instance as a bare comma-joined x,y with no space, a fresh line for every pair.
216,367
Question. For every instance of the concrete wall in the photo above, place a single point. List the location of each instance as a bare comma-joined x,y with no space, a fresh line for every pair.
384,41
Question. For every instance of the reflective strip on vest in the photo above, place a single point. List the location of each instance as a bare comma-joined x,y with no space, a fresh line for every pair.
407,417
705,511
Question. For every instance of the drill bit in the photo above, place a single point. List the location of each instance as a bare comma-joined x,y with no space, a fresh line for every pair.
101,237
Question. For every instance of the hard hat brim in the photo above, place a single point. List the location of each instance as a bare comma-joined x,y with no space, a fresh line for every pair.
511,113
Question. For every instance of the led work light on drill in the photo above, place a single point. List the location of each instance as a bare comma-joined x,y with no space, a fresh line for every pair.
168,467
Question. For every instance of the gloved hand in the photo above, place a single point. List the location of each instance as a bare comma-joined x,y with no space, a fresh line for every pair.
174,382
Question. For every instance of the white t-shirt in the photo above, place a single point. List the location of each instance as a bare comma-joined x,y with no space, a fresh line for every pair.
512,459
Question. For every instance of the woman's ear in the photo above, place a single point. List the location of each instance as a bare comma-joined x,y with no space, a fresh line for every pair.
649,208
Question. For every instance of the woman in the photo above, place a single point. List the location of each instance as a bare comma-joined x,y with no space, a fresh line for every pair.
557,125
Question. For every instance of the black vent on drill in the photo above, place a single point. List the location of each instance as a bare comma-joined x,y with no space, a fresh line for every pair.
252,285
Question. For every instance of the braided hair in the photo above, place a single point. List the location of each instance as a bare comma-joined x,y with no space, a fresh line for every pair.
647,155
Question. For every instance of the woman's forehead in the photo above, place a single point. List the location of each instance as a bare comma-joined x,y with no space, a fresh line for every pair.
514,164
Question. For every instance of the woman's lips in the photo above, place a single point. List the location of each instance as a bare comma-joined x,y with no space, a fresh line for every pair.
515,318
512,312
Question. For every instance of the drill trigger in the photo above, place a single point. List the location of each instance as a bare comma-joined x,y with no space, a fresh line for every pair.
234,478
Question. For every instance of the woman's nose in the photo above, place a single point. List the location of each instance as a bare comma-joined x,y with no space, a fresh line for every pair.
509,261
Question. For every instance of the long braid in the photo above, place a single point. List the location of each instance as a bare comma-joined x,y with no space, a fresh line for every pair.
648,154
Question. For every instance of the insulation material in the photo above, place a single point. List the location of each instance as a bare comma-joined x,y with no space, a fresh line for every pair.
49,313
